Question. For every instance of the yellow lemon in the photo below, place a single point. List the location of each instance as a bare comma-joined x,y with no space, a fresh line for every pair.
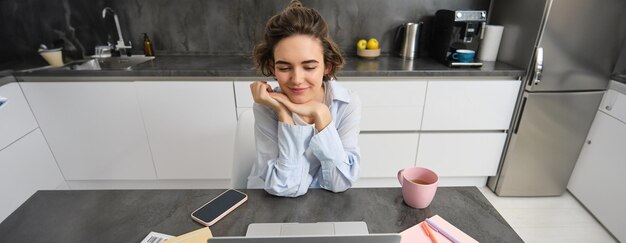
361,44
372,43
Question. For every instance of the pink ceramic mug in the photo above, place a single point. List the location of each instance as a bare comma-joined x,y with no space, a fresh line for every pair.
418,186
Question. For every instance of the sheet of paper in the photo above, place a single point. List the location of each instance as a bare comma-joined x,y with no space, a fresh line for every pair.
417,234
155,237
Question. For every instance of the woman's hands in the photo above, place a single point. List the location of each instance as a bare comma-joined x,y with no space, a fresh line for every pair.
261,94
312,110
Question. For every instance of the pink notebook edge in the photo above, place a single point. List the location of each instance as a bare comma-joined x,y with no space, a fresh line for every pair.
416,233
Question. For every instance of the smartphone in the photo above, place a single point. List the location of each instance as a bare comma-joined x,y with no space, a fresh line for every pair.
219,207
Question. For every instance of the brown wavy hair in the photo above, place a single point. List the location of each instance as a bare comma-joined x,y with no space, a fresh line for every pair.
296,19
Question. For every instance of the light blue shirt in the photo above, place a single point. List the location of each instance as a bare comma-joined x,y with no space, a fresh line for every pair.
293,158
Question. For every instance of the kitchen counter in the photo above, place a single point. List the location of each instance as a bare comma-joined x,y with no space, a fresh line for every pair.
129,215
241,66
5,77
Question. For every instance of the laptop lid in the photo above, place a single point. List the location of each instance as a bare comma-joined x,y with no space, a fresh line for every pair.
371,238
320,228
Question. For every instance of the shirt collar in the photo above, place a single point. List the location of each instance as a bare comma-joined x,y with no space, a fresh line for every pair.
338,92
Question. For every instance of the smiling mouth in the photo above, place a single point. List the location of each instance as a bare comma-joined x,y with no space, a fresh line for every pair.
298,90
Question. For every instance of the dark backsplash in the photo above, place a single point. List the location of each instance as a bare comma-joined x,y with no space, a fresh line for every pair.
216,27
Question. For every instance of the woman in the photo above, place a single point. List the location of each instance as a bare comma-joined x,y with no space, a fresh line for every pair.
306,130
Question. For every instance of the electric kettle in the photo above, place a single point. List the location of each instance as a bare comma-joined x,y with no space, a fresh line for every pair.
407,39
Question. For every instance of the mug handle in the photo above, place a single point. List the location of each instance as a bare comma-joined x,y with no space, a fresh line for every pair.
455,56
400,177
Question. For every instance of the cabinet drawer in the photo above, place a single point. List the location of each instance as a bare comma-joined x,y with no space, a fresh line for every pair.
190,136
16,119
470,105
461,154
382,155
390,105
614,104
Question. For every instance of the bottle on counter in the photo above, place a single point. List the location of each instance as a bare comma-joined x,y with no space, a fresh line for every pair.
147,46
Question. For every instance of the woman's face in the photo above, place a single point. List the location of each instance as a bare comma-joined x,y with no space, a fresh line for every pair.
299,68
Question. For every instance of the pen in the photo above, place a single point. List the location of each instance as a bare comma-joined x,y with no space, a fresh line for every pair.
441,231
426,229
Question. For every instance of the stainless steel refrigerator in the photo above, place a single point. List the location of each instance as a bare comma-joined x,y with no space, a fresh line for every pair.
569,48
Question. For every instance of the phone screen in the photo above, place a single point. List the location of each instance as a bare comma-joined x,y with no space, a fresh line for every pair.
219,205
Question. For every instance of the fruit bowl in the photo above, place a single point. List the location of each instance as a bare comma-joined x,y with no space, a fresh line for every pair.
368,53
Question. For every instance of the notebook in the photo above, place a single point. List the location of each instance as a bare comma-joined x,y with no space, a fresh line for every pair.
417,234
196,236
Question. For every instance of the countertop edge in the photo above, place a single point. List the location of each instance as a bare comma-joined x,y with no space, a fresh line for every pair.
242,67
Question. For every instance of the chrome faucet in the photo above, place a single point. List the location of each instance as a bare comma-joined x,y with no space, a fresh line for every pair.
121,46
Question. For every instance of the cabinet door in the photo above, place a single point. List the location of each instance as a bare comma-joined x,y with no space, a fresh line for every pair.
16,119
614,104
94,129
383,154
598,177
470,105
190,127
25,167
390,105
461,154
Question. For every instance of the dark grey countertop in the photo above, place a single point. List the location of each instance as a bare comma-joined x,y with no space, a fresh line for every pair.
241,66
129,215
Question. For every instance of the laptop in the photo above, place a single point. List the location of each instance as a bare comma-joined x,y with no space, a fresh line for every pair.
349,232
371,238
298,229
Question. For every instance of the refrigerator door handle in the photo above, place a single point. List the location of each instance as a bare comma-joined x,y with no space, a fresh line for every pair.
538,65
519,117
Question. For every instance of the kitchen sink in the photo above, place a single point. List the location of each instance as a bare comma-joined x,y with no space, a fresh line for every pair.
109,63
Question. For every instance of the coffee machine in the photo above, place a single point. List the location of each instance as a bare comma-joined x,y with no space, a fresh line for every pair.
457,29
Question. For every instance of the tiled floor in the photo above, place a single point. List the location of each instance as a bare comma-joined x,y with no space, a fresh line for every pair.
549,219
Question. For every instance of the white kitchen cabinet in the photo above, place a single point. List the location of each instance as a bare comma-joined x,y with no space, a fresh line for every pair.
469,105
27,165
460,126
390,105
94,129
461,154
190,127
16,119
598,178
383,154
614,104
